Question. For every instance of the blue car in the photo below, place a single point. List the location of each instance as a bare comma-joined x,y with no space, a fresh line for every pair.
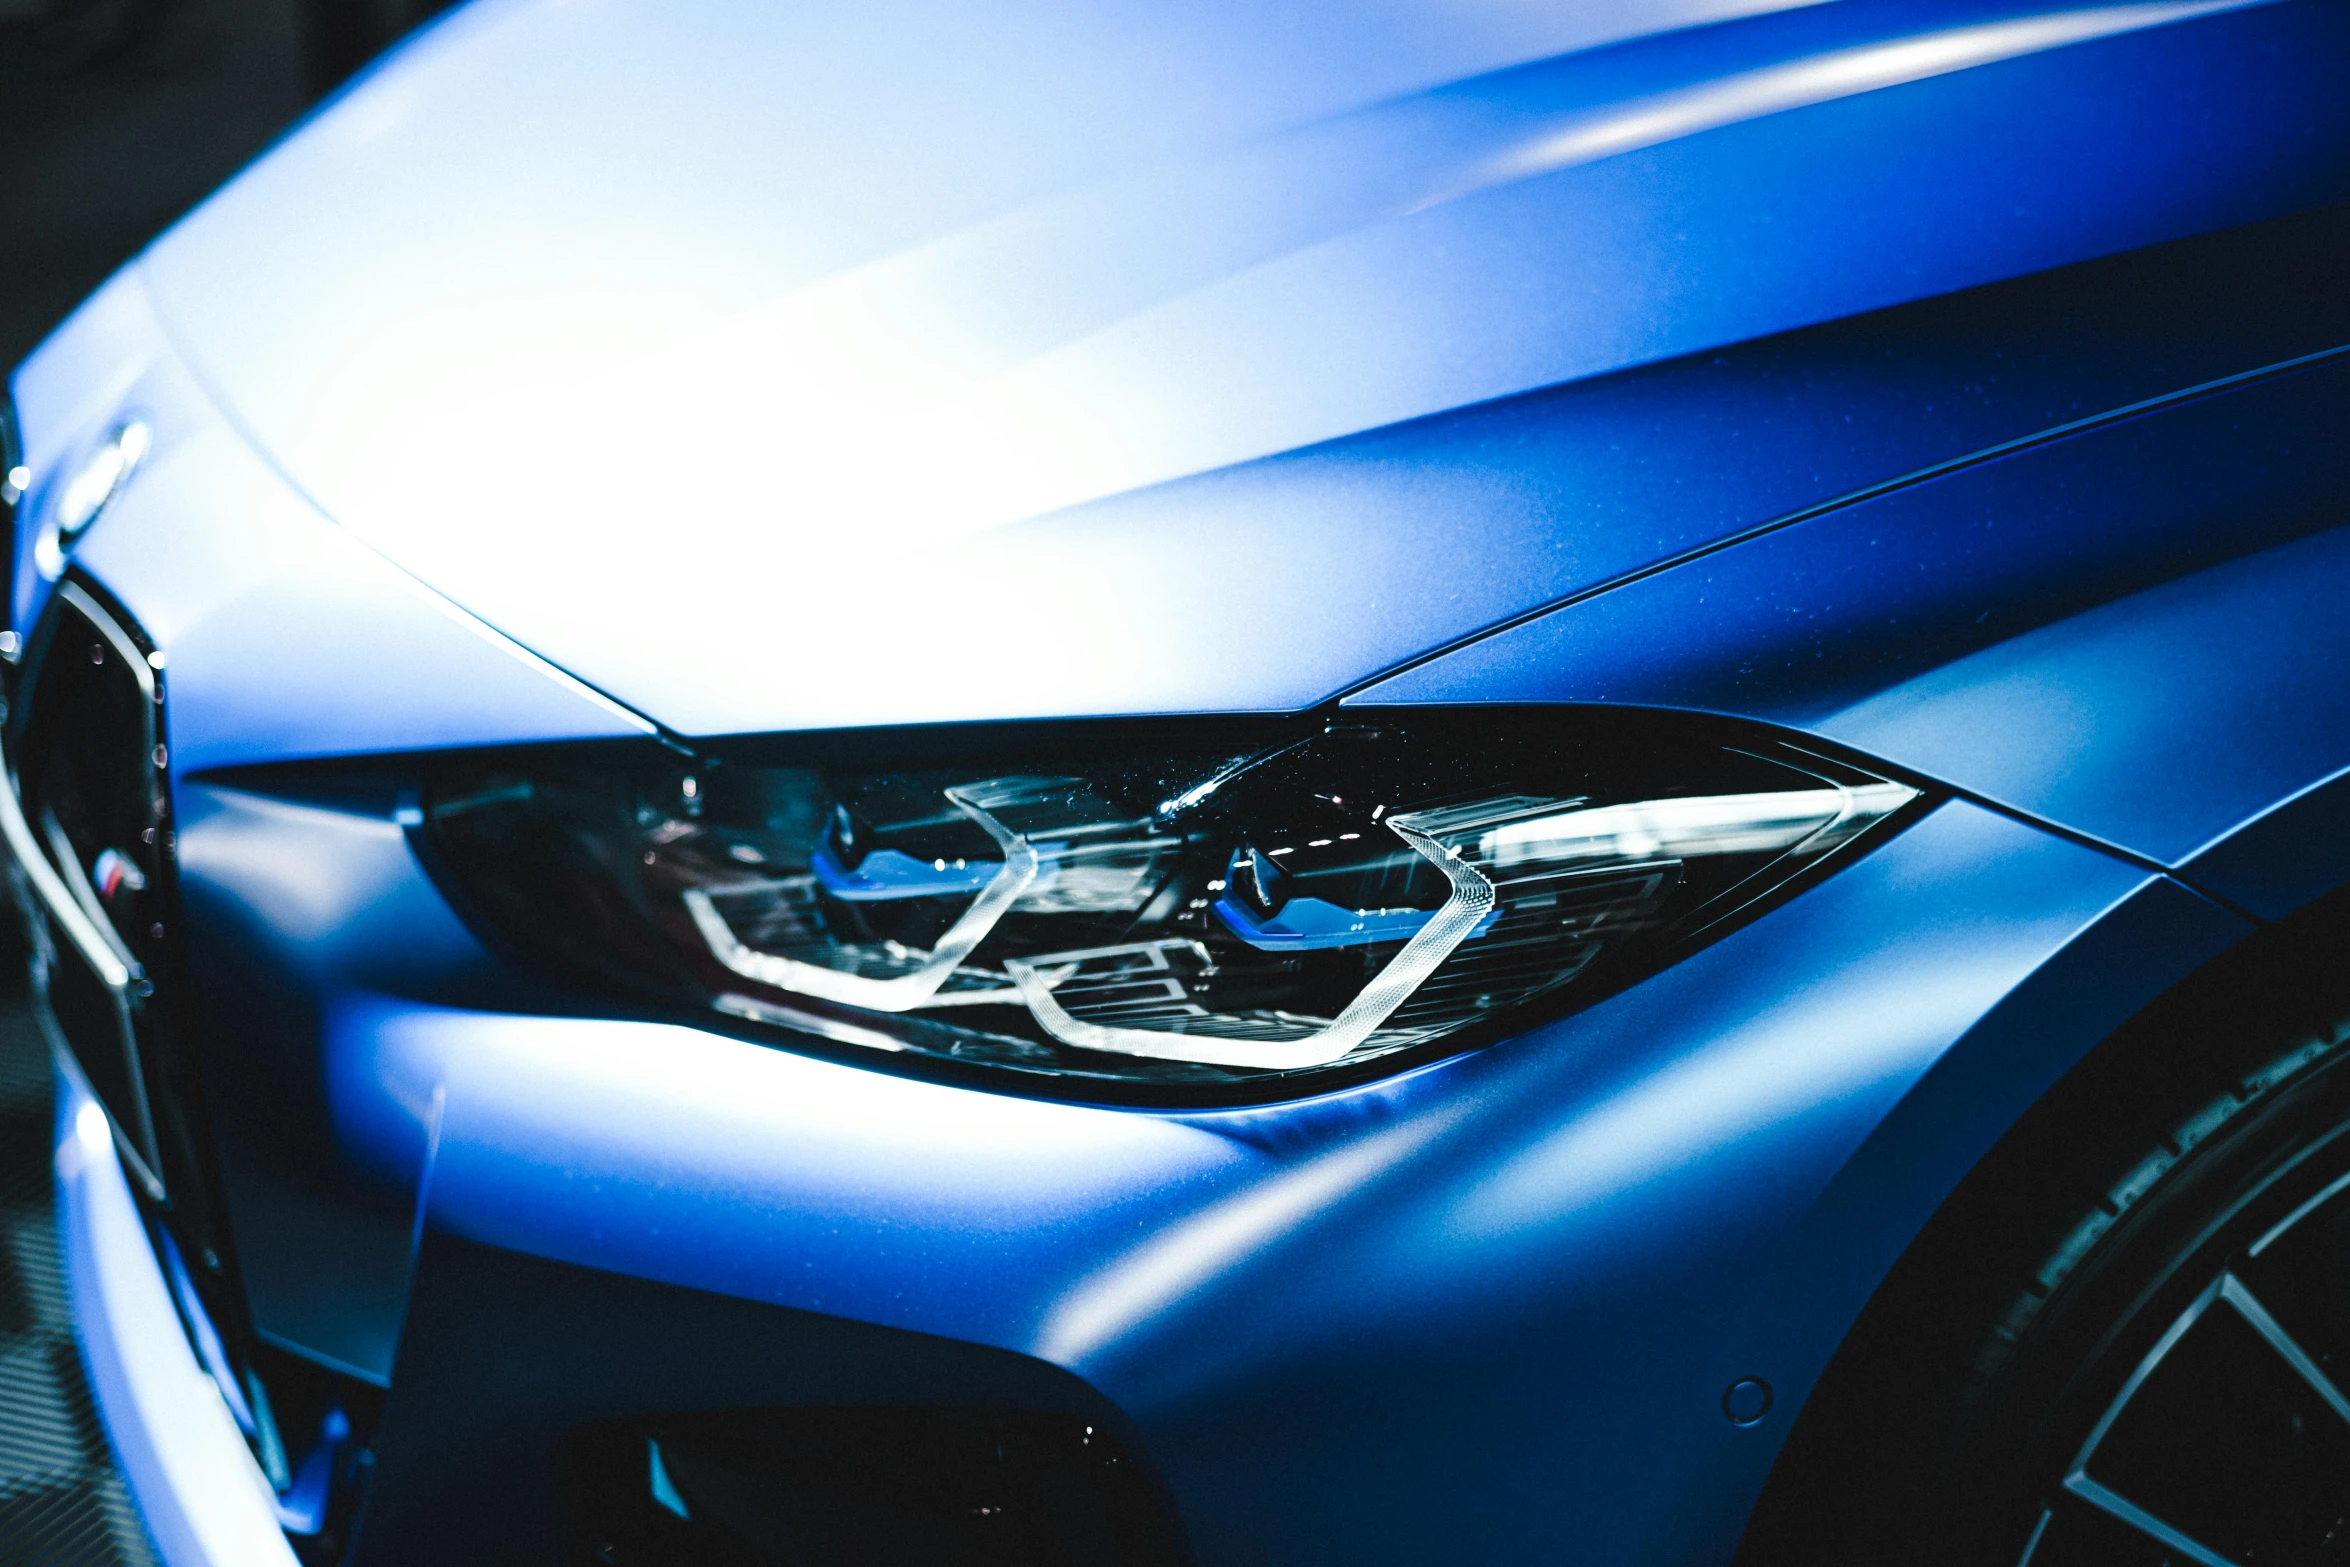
1089,784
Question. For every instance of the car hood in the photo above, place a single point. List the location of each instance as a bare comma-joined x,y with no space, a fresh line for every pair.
778,366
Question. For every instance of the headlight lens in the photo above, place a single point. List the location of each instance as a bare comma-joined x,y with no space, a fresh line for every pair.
1201,910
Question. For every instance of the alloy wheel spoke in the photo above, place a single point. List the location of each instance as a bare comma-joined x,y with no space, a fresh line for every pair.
2129,1512
2251,1310
2277,1340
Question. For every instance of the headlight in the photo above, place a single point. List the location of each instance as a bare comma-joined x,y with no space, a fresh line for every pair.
1203,906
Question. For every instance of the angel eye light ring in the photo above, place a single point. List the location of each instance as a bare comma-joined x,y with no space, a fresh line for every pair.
1098,925
1471,902
1472,899
902,992
1504,831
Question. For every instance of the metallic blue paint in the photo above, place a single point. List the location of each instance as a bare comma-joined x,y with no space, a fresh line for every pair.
287,637
490,314
1622,1223
1201,1268
291,907
1960,382
2133,631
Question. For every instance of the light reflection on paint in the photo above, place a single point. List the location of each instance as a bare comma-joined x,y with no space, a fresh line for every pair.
907,399
1798,84
1169,1266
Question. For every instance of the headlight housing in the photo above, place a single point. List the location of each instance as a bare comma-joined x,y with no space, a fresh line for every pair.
1193,903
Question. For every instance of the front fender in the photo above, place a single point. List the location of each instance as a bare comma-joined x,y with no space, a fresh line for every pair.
2132,632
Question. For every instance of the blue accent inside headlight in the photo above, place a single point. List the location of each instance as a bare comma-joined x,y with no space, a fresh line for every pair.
1211,903
889,873
1312,925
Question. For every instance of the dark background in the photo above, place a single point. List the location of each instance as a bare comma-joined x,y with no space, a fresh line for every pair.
116,116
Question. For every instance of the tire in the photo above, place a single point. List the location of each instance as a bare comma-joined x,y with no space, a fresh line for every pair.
2127,1340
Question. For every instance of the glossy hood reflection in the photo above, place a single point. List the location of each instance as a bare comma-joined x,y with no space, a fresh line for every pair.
702,352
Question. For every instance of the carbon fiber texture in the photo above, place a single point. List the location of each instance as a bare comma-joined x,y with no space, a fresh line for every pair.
62,1501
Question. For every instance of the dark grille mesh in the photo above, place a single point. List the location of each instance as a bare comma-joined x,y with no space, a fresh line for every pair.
62,1503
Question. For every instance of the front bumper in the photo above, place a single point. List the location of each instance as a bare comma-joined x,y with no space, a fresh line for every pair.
1484,1310
205,1501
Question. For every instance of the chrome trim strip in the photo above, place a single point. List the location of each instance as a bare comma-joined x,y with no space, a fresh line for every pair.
98,946
95,613
60,904
62,858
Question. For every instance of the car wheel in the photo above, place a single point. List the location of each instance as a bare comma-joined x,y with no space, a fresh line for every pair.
2128,1341
2168,1387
